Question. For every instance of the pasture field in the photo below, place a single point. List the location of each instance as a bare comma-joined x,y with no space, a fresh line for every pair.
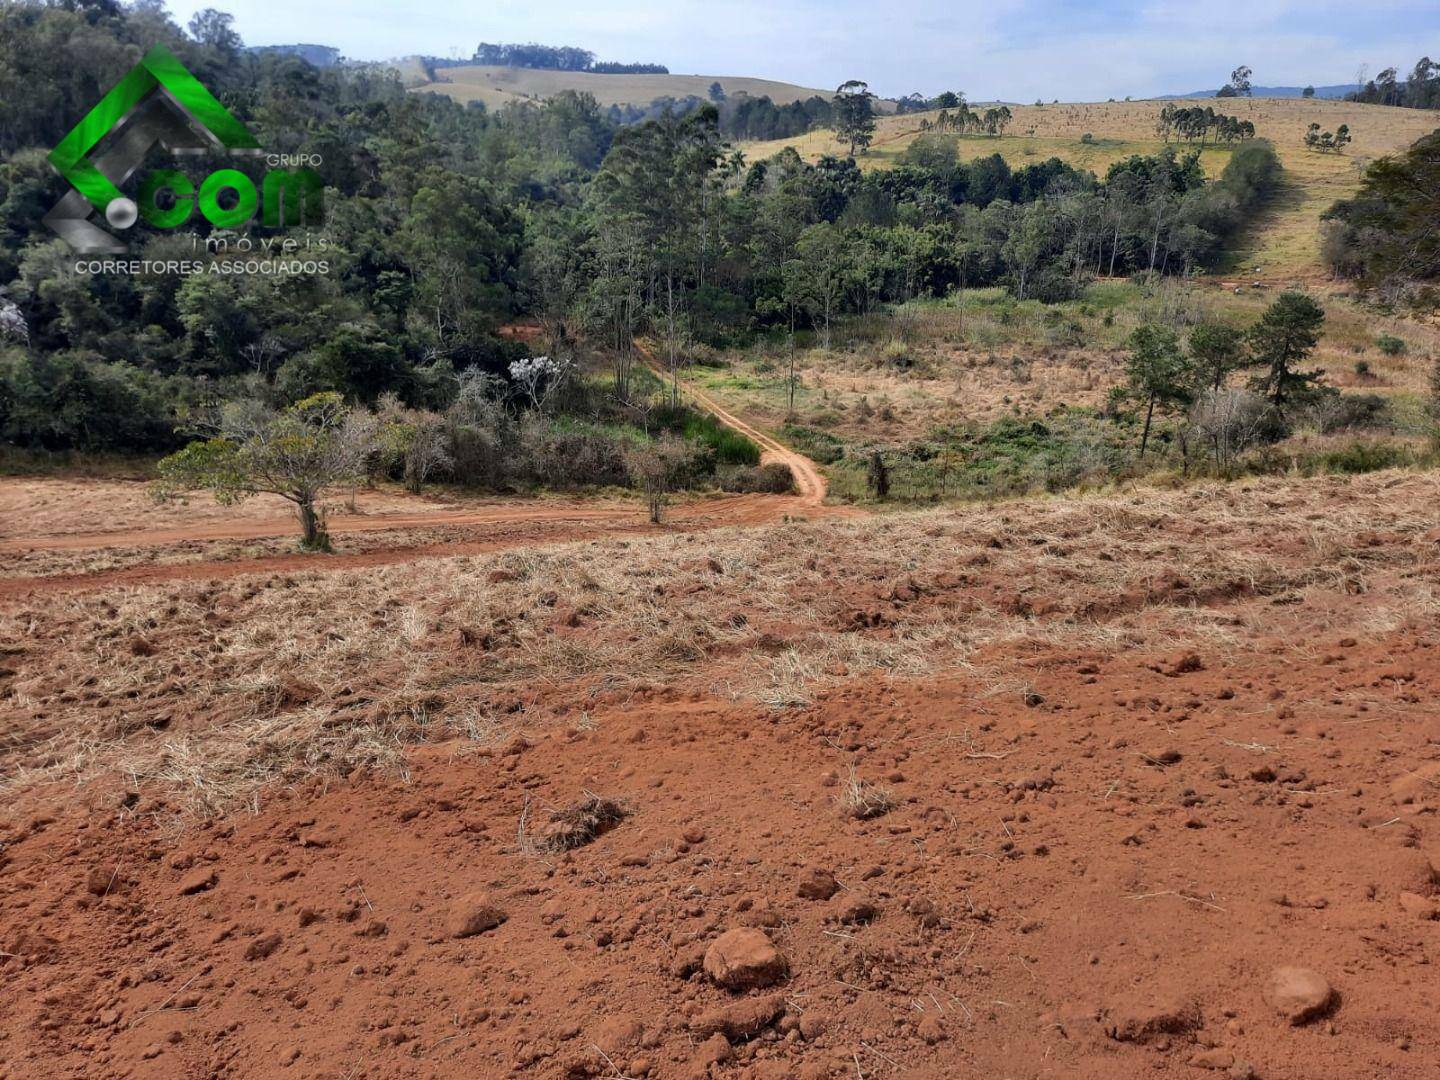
1284,244
497,86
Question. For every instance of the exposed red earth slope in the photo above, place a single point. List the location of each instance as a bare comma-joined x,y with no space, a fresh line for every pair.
1192,748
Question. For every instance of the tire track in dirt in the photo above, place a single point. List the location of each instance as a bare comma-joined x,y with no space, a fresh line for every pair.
535,527
551,524
810,483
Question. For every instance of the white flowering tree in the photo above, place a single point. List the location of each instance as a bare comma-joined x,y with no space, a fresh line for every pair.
12,322
537,378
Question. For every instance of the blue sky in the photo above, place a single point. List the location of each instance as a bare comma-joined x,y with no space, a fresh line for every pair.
1015,50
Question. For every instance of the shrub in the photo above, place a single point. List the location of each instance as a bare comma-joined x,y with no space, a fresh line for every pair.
1390,345
1349,412
728,446
661,467
1227,422
772,479
1362,457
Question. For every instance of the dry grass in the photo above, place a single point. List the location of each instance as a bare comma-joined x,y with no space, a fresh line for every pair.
1286,240
498,86
976,357
575,826
260,680
863,799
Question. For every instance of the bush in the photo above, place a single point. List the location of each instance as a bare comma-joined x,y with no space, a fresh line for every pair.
1350,412
728,446
1362,457
74,401
819,446
772,479
1390,345
570,457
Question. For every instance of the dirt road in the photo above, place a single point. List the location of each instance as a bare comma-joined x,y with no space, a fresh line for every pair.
809,481
132,554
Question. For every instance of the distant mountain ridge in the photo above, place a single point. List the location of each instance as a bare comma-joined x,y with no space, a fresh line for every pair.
322,56
1331,92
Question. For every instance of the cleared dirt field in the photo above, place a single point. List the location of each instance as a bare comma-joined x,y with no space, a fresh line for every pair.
1285,242
1048,788
57,546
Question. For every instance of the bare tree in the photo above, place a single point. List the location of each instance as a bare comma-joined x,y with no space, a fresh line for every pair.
417,440
12,321
261,354
299,453
659,468
539,377
1228,422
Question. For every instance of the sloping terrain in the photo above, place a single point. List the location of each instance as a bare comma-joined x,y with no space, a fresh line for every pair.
1286,241
497,86
1046,788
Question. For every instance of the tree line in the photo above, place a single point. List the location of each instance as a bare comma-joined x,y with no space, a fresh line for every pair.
964,120
1420,89
447,222
556,58
1201,122
1385,235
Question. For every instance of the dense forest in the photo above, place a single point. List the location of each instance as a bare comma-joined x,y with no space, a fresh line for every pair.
445,222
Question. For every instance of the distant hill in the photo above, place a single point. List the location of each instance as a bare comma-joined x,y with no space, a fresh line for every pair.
1331,93
497,86
321,56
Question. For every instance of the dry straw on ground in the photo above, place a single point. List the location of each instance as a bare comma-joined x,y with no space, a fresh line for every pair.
221,688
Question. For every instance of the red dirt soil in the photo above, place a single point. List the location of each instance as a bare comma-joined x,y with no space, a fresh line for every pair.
492,528
1092,879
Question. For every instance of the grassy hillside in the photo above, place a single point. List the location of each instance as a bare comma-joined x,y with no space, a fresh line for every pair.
496,86
1284,242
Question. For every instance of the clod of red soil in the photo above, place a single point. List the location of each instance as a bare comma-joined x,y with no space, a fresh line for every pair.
142,646
715,1050
932,1030
817,884
1212,1059
1144,1020
738,1020
1300,994
744,959
472,914
263,947
1185,663
619,1035
197,881
856,911
575,826
1419,906
101,880
1419,787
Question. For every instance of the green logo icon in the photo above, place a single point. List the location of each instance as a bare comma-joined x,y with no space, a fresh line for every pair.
159,101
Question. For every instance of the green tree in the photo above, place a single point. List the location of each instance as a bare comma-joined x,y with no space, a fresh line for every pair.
1156,373
1387,231
877,477
300,453
1215,351
1284,338
854,114
816,279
